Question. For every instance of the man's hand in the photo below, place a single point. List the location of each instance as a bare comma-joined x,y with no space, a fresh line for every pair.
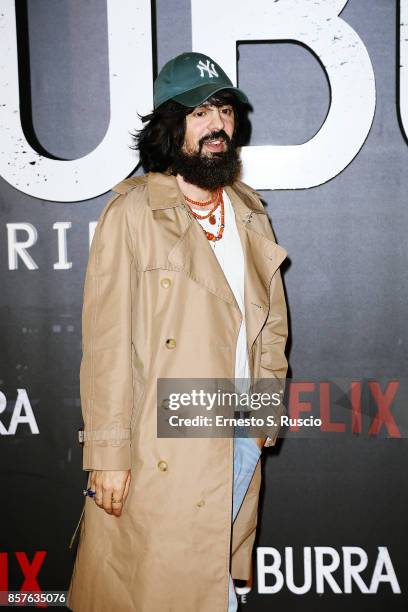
111,489
260,442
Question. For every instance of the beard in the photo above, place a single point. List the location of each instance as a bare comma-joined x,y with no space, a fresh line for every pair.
209,171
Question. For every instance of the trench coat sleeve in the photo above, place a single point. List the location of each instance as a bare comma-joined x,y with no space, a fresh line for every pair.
273,341
106,370
273,338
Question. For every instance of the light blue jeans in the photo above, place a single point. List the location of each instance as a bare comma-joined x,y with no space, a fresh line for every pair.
246,456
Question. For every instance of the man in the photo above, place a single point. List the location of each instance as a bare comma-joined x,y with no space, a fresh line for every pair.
183,281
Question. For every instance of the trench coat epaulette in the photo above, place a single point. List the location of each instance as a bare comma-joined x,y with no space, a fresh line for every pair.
129,184
247,192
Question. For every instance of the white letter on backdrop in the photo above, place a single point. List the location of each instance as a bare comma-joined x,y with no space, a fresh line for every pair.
131,92
62,227
273,568
18,248
316,25
403,81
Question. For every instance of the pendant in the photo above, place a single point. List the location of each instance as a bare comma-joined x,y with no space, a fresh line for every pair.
212,219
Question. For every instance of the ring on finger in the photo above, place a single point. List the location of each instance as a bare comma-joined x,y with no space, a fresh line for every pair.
88,492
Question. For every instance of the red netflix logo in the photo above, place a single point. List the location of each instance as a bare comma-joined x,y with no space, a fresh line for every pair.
29,570
307,397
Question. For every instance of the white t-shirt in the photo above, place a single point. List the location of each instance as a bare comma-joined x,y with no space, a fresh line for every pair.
230,256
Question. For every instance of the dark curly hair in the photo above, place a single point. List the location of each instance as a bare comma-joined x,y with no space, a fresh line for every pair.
163,135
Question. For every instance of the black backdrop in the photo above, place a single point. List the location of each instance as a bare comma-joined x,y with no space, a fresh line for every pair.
346,284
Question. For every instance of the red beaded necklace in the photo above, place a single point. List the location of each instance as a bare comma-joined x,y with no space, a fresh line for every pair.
216,199
212,220
209,215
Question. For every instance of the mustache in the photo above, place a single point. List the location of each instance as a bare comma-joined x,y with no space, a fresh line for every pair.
214,136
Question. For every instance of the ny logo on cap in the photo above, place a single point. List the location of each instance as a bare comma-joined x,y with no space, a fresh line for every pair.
207,68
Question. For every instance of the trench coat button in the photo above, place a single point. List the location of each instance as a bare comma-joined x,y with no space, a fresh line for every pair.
170,343
162,465
200,503
165,282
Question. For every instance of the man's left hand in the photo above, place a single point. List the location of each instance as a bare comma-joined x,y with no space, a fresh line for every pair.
260,442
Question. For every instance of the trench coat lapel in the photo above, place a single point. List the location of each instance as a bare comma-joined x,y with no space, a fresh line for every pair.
191,252
262,258
193,255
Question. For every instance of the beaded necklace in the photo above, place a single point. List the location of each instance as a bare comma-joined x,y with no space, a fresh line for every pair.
217,200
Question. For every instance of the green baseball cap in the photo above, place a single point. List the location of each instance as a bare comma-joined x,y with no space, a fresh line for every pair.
191,78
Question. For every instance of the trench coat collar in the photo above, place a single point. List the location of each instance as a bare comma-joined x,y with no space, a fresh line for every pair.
164,192
193,255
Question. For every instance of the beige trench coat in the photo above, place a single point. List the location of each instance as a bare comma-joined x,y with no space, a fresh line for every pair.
172,548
